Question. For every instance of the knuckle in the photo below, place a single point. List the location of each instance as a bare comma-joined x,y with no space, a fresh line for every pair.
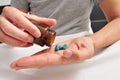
17,19
6,9
27,38
33,30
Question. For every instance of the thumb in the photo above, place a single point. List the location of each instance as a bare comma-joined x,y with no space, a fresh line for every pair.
67,53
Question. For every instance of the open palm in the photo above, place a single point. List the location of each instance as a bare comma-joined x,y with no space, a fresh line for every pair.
78,49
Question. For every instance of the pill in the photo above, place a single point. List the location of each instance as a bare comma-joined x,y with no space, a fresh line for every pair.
64,46
59,47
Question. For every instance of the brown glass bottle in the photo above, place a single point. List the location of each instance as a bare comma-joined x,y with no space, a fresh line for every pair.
47,36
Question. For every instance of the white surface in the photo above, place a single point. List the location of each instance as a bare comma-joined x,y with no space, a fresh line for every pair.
4,2
104,66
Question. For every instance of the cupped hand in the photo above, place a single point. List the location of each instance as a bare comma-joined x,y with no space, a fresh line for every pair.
78,49
17,28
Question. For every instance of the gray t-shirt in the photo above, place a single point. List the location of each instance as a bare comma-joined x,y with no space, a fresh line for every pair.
72,16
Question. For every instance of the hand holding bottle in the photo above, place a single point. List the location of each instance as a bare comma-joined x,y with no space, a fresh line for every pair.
14,24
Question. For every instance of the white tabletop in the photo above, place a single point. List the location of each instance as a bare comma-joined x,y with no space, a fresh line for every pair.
104,66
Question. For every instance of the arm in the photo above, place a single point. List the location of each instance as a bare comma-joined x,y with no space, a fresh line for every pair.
80,48
109,34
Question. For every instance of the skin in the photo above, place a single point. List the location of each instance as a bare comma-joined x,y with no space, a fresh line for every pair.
80,48
17,28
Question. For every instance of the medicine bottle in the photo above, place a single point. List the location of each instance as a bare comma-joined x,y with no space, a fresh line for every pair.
47,35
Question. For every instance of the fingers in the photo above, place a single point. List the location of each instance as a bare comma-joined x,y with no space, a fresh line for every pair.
14,32
21,21
24,20
29,62
36,61
11,41
14,23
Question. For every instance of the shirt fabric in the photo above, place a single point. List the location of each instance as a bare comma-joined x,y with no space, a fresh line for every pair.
73,16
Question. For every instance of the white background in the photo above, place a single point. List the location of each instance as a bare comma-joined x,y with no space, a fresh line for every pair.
4,2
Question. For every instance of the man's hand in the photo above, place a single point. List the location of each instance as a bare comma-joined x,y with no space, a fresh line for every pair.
14,25
78,49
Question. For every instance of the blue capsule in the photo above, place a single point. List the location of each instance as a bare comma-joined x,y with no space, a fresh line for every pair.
64,46
59,47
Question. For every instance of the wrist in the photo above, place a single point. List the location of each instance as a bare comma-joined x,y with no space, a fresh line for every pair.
96,42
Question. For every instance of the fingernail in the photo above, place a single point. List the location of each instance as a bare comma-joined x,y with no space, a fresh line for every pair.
68,54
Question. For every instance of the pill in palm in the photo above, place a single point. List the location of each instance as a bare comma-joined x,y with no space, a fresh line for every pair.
60,47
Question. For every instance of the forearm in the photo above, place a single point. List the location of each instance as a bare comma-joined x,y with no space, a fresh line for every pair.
108,35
